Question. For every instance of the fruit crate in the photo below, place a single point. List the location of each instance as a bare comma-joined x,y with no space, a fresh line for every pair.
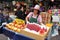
34,35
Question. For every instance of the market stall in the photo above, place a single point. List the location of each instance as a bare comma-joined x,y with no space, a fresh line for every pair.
16,29
17,22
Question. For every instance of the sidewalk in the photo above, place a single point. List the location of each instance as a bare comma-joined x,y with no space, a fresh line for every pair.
2,37
56,37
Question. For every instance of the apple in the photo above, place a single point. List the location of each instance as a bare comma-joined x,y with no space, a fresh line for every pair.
46,30
12,27
10,24
14,22
18,26
18,30
15,28
23,25
43,28
9,27
42,31
23,22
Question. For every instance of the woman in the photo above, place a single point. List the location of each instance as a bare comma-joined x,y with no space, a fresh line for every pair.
21,13
34,17
21,8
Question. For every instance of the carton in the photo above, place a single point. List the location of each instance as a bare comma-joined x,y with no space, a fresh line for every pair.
46,17
32,35
35,36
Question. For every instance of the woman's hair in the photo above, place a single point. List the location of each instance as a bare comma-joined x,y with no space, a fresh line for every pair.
38,12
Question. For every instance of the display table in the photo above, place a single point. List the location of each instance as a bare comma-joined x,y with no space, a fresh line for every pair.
14,35
32,35
22,34
21,37
35,36
8,32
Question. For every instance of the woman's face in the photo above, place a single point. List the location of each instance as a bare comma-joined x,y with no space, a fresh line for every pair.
35,11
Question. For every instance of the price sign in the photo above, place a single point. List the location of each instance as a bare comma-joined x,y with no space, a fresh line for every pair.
55,18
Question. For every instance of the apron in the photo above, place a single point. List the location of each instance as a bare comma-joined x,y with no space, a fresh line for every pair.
33,20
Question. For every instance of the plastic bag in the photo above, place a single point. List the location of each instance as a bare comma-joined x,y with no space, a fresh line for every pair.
54,30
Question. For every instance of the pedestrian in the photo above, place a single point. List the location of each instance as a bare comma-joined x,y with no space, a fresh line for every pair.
20,13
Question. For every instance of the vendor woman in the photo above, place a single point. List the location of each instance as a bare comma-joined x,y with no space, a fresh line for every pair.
34,17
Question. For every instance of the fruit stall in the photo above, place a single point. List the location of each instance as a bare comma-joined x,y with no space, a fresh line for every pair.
17,30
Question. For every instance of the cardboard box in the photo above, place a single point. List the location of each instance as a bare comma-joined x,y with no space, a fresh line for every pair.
33,35
46,17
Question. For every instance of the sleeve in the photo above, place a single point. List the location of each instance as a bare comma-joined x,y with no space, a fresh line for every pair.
39,18
30,14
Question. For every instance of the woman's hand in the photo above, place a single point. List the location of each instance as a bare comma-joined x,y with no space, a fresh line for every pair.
41,23
27,22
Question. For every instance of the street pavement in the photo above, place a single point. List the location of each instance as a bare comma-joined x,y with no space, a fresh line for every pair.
3,37
56,37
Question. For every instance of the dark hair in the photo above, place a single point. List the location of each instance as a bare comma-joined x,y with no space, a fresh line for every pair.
38,12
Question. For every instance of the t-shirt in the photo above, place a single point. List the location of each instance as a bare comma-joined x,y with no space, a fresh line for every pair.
31,14
20,14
